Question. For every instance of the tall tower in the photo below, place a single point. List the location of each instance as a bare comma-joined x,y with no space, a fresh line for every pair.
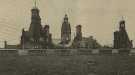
35,26
65,31
121,38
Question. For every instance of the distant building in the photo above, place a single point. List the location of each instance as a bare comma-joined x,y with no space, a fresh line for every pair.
37,36
8,46
121,39
78,38
65,31
84,42
87,42
78,33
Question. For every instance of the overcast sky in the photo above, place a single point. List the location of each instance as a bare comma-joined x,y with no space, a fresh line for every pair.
99,18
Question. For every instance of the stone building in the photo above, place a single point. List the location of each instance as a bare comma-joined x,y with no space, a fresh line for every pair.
78,32
37,36
65,31
121,39
78,38
84,42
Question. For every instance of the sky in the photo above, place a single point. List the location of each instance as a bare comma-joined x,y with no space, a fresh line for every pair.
99,18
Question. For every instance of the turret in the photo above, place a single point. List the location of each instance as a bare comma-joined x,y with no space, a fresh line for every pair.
65,31
122,25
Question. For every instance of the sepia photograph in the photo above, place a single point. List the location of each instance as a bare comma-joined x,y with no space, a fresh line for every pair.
67,37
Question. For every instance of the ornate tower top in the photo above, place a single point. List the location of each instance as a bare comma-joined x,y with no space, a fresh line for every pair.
35,10
122,20
35,3
122,23
66,18
35,26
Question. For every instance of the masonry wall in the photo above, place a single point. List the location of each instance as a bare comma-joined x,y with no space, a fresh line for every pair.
66,52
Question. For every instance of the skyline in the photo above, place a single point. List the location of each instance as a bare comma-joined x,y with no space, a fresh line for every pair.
98,21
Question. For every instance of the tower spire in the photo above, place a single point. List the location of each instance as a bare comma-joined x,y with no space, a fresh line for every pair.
122,18
35,3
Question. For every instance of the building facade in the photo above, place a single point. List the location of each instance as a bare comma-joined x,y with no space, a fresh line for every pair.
78,38
84,42
37,36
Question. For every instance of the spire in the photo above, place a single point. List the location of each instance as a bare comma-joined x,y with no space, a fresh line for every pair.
122,17
122,23
35,10
66,17
35,3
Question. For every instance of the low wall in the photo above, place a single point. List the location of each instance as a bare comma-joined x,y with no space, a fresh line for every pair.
12,52
65,52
